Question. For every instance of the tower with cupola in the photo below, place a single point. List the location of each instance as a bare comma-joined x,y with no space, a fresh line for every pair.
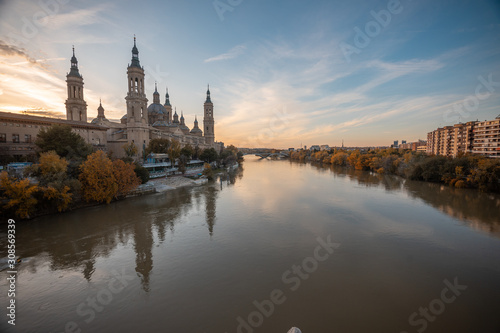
76,107
137,103
208,120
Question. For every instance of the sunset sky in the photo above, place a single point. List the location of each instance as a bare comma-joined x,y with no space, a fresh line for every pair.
281,73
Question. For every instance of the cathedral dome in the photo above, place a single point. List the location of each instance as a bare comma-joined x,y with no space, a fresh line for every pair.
156,109
196,130
160,123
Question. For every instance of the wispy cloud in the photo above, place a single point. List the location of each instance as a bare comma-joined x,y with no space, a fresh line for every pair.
233,53
12,50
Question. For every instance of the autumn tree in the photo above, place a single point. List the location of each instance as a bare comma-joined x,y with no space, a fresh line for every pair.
126,178
66,143
98,179
130,149
19,195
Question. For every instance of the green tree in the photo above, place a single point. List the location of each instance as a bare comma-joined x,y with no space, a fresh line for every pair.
196,152
158,146
187,151
174,151
208,155
142,173
66,143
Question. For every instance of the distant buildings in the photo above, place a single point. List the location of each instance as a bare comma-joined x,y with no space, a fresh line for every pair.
420,145
477,137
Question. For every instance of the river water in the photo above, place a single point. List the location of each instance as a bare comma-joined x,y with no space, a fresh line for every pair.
277,245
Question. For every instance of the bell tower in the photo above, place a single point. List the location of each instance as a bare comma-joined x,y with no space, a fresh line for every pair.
76,107
208,120
137,104
136,97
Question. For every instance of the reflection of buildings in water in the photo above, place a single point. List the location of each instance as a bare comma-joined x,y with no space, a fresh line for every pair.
143,243
88,269
170,206
231,176
74,240
478,210
210,207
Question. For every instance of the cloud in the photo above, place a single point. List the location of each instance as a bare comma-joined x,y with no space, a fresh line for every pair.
12,50
233,53
80,17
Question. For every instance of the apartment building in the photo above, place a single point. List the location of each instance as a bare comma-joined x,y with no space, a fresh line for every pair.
472,137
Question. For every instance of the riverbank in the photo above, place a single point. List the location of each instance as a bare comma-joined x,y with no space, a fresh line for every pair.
463,171
174,182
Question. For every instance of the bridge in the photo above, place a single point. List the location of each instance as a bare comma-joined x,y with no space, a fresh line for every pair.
263,155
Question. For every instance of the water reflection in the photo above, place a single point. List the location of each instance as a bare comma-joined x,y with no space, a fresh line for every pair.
73,241
477,209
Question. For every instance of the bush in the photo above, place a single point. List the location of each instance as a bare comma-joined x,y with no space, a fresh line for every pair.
142,173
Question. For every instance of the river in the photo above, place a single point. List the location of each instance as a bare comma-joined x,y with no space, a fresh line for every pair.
278,244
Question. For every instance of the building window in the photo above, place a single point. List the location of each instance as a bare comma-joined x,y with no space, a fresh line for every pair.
3,137
27,138
15,138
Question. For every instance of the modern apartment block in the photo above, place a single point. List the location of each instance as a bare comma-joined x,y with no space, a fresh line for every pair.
472,137
487,138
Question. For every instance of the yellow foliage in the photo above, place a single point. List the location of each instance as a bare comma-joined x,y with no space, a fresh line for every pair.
125,176
20,194
51,163
62,198
98,179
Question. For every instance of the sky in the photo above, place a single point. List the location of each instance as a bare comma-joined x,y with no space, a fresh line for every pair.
281,73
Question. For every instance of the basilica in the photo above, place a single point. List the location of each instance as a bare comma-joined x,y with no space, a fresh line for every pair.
140,124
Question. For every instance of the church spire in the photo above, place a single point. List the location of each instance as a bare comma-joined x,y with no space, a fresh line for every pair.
74,65
156,95
208,95
167,99
135,55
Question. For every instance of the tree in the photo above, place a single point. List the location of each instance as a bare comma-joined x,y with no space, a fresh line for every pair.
130,149
158,146
174,151
65,142
56,187
126,178
229,156
20,195
61,198
187,151
142,173
208,172
196,152
208,155
98,179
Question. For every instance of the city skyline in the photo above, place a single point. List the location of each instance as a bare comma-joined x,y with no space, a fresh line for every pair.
279,75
